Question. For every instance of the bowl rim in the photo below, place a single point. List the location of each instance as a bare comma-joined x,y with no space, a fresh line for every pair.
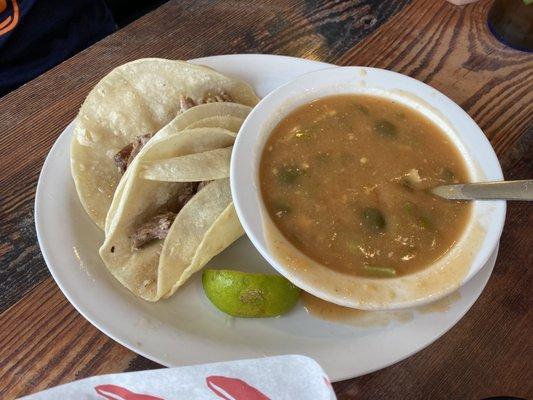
313,81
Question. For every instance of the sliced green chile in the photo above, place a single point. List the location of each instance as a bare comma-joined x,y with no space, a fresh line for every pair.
373,219
379,271
422,220
448,175
425,222
406,184
282,206
386,128
353,247
322,157
409,207
289,174
360,108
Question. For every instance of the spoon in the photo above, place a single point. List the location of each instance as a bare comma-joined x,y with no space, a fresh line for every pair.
505,190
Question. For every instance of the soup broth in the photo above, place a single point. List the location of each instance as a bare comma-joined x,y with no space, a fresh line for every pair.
345,179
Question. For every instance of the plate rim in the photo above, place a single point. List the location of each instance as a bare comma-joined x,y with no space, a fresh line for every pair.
98,322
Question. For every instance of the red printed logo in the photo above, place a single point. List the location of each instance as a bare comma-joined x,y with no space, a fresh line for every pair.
224,387
113,392
233,389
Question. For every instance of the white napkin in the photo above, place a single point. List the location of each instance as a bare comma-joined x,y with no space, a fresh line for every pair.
290,377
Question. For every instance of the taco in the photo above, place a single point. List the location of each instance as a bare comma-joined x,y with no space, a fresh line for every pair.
127,107
228,116
174,212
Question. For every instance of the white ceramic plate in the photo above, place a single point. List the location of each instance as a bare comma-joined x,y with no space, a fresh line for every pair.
186,329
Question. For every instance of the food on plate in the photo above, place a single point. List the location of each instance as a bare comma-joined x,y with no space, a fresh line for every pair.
150,159
215,163
229,115
159,232
241,294
128,106
344,179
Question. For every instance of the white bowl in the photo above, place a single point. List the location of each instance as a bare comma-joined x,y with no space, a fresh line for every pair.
433,282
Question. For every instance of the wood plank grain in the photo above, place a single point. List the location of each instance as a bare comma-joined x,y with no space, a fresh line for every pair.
317,29
489,352
450,48
44,341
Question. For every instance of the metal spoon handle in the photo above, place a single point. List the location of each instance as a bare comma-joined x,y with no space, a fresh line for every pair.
511,190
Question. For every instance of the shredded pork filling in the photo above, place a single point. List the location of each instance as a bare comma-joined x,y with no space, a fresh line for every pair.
159,225
126,155
156,227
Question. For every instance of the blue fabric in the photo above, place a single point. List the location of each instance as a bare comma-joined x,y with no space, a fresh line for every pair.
48,32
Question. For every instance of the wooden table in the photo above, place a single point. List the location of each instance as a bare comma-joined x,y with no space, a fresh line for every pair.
45,342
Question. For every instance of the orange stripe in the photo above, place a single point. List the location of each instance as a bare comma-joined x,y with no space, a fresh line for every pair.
11,22
5,22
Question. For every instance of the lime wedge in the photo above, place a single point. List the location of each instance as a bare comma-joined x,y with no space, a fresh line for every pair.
241,294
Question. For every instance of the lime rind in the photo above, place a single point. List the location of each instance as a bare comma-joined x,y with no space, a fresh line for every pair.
248,295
